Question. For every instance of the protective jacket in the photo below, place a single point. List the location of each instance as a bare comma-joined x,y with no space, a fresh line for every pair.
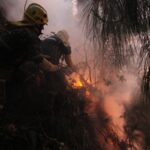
18,45
20,49
54,48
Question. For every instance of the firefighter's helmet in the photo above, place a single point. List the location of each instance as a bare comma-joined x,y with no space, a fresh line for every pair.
36,14
64,36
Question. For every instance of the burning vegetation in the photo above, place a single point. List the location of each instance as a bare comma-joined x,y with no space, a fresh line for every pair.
106,133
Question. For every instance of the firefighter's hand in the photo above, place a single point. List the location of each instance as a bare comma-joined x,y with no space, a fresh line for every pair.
59,67
74,69
71,70
67,69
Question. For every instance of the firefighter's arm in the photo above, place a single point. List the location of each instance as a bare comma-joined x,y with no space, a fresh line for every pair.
68,60
48,66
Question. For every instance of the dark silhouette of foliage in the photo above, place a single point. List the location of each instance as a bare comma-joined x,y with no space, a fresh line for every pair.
114,21
137,124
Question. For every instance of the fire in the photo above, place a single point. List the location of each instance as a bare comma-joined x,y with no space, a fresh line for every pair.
78,83
75,81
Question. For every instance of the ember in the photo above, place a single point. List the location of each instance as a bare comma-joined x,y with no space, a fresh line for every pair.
75,81
87,93
78,83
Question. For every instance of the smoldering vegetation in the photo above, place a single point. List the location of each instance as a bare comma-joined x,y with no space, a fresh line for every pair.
137,125
137,116
113,26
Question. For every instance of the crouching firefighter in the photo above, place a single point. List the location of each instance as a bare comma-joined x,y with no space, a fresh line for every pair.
57,47
20,51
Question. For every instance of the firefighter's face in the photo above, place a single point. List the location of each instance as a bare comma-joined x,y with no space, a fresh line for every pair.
39,29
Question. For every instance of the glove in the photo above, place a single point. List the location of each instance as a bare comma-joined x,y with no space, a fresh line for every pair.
75,69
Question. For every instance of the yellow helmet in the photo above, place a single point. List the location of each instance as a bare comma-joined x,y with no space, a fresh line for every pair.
36,14
64,36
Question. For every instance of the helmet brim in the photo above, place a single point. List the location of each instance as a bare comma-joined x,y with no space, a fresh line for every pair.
20,23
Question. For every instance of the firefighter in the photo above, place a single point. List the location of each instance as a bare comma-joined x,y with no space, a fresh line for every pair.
23,42
26,104
56,47
20,49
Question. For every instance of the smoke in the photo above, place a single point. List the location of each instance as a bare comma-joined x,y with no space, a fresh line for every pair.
75,9
13,9
118,95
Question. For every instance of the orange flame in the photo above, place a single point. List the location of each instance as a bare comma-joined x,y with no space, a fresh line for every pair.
77,83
